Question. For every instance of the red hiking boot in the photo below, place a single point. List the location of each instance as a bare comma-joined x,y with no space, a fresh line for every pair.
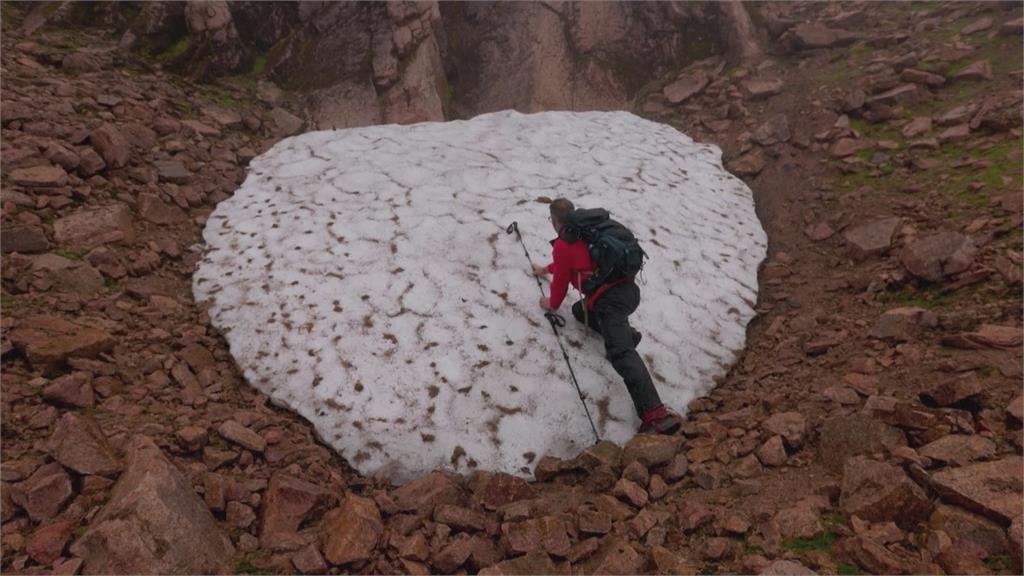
660,421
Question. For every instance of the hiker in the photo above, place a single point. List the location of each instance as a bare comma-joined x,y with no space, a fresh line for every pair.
607,310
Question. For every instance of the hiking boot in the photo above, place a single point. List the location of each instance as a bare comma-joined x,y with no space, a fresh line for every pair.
637,337
660,421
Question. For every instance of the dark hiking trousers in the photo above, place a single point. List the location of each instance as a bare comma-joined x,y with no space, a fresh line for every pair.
610,317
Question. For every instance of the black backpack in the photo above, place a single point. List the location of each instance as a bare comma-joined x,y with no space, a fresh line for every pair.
613,248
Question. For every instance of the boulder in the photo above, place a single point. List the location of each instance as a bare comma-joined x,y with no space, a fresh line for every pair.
922,77
917,126
848,147
494,490
791,426
460,518
47,543
964,527
903,94
48,341
284,123
772,452
686,86
79,444
425,493
91,227
614,556
172,171
808,35
939,255
959,449
980,70
872,238
953,390
45,492
761,89
750,164
869,555
899,324
987,336
548,533
880,492
532,563
39,177
71,390
154,523
991,489
352,531
111,145
23,239
958,133
799,521
244,437
287,503
155,210
854,435
650,449
773,131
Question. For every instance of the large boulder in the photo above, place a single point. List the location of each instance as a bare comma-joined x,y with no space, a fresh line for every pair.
854,435
352,531
154,523
92,227
427,492
939,255
23,239
880,492
112,145
78,443
288,503
991,489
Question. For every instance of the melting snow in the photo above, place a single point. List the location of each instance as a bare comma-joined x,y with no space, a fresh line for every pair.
363,278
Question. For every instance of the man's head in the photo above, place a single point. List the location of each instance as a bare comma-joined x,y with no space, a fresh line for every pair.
560,208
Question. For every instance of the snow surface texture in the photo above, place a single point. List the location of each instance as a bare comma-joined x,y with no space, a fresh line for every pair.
364,278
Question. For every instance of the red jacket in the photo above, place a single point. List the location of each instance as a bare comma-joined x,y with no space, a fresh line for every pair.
571,263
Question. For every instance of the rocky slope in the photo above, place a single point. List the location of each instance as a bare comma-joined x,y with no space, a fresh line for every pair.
873,425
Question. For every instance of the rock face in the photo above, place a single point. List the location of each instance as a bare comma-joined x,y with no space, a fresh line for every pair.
407,62
939,255
154,523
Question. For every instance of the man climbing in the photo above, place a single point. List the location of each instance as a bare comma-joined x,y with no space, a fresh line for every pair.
607,311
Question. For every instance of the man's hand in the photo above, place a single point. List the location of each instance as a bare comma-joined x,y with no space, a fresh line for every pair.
540,270
545,302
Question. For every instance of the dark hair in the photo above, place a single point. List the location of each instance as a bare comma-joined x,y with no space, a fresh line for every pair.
560,208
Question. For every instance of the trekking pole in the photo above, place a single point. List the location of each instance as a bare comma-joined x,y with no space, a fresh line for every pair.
555,320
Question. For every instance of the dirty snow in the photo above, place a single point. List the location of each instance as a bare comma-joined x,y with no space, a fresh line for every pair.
363,278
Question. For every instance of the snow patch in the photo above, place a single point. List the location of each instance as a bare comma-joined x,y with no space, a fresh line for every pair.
363,278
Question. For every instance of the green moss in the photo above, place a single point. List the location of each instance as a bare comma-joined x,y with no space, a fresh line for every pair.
911,297
176,49
245,566
844,569
68,254
821,542
998,562
221,97
259,63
